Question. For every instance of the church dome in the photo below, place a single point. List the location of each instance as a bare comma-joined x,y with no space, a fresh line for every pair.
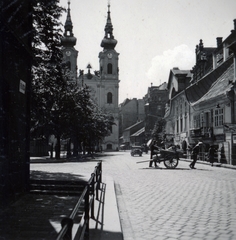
108,43
68,41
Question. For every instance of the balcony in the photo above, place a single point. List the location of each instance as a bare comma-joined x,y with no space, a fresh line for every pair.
203,132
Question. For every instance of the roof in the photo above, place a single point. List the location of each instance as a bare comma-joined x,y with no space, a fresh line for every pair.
177,72
197,90
222,86
138,133
128,128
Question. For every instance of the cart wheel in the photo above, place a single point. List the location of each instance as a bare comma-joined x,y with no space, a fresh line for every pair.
171,162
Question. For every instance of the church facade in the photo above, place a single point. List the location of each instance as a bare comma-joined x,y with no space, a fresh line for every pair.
104,83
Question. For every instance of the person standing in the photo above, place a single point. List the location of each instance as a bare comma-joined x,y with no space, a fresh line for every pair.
211,153
195,153
153,148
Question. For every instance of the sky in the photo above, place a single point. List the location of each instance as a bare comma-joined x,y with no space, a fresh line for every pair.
153,36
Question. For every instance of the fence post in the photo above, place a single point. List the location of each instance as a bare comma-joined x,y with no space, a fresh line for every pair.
92,194
69,222
86,212
100,173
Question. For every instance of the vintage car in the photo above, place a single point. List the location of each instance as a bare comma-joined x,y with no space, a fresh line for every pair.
136,150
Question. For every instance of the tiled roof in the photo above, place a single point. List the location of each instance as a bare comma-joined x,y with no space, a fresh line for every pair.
200,88
220,87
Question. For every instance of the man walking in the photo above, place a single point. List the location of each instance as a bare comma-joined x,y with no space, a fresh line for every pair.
195,153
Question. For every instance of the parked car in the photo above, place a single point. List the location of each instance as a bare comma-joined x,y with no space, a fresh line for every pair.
136,150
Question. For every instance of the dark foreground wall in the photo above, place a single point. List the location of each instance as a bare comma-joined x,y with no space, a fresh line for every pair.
15,78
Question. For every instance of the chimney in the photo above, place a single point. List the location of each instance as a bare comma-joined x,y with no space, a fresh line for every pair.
234,30
219,41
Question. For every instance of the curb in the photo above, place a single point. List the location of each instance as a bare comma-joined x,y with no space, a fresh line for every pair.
107,225
207,163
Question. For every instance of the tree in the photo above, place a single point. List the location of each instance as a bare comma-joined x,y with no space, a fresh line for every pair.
158,131
47,72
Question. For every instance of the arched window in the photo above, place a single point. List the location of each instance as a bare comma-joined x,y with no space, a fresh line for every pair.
68,64
109,68
109,97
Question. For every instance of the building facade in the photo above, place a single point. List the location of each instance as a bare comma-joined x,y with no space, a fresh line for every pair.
205,108
155,101
15,82
131,112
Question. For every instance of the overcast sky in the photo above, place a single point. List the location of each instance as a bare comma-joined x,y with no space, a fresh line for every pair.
153,36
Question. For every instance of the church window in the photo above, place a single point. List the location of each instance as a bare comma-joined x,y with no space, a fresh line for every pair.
109,97
68,64
109,68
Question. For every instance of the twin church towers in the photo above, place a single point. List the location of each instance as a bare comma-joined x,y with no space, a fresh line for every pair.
104,83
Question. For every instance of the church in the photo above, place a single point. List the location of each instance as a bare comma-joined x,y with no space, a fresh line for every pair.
104,83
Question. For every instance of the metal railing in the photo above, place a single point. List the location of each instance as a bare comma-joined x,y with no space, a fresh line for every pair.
90,192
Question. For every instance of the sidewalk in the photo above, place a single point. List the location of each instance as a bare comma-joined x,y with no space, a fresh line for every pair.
36,216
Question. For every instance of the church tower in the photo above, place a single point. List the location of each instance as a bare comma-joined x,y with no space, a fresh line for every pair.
104,84
68,42
109,74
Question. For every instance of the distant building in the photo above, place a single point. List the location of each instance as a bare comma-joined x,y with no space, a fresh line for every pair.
155,102
133,135
131,111
177,108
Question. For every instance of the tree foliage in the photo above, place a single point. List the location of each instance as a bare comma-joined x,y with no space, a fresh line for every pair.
158,131
59,107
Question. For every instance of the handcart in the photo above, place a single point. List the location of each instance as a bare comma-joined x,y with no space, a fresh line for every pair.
170,158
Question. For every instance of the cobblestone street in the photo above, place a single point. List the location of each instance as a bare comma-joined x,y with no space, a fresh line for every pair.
173,204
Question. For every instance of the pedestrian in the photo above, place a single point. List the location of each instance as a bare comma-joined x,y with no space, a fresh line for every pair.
211,154
154,149
194,156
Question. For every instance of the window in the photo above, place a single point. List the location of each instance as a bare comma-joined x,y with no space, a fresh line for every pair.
196,121
202,119
177,126
109,97
181,124
219,117
109,68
